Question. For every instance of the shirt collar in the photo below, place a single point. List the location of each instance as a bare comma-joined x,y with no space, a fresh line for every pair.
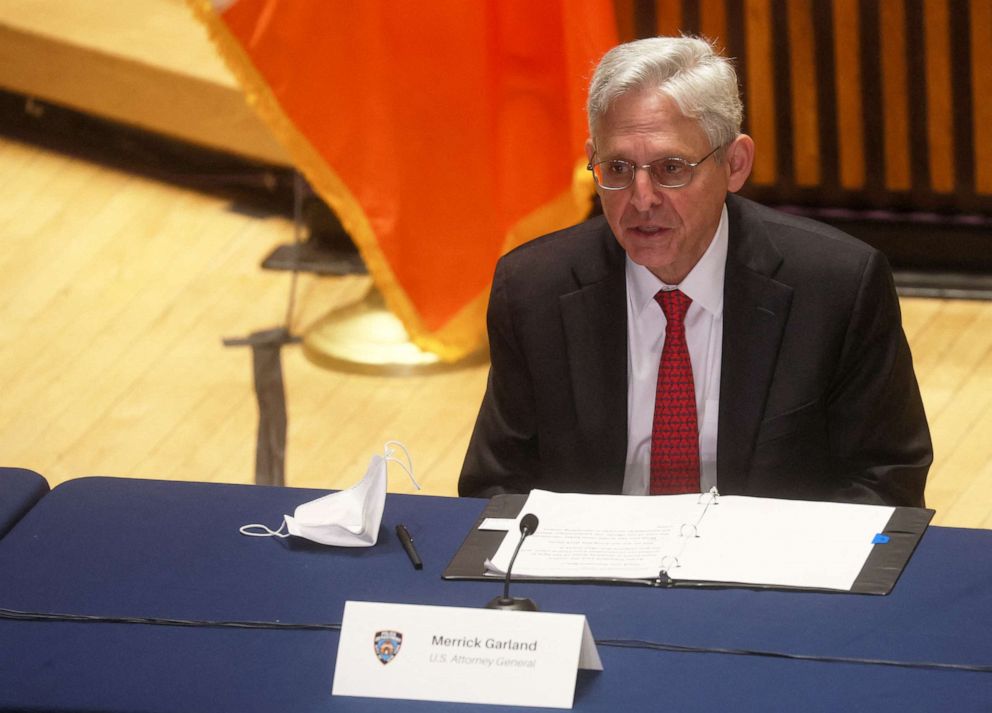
703,284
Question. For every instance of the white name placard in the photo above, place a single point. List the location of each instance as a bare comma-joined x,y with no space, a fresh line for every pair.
462,655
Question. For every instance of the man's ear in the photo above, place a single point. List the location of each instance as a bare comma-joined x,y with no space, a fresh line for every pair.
590,149
739,157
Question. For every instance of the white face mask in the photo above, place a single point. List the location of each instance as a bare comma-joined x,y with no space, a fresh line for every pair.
349,518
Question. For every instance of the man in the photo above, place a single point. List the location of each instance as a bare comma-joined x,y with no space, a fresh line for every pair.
791,340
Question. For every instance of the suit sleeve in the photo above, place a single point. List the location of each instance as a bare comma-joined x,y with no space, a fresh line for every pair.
502,455
877,426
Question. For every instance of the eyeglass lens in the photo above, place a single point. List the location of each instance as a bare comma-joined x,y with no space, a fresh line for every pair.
668,172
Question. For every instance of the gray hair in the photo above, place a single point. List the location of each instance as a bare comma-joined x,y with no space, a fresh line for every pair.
702,82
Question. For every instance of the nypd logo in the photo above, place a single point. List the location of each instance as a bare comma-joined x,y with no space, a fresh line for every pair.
387,645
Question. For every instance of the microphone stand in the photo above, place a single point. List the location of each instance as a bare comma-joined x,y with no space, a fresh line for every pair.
505,602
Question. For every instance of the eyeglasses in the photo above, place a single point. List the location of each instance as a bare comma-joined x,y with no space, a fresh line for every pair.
617,174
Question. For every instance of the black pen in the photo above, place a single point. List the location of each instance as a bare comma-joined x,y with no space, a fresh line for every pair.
411,551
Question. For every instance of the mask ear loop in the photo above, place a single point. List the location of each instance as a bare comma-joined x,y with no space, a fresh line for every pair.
266,532
408,466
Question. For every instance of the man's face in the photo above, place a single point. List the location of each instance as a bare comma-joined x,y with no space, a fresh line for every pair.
666,230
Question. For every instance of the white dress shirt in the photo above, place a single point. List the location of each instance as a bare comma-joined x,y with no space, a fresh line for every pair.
645,339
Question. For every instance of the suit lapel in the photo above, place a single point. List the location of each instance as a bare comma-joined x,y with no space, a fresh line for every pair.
594,319
756,308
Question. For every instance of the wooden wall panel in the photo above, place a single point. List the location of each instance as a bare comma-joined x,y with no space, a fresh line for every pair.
847,82
895,107
980,12
668,14
713,21
803,87
939,105
759,93
625,11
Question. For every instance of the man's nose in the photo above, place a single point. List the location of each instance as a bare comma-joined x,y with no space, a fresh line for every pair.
645,194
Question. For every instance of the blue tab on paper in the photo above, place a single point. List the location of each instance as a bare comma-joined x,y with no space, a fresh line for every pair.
880,539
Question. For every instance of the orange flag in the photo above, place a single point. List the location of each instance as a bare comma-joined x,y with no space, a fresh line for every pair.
442,133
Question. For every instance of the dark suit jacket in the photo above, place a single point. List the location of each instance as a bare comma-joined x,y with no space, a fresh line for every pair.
818,399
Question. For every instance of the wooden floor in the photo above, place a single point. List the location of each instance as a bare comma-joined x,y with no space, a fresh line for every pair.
115,294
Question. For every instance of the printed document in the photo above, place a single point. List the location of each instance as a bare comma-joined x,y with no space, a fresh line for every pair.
699,537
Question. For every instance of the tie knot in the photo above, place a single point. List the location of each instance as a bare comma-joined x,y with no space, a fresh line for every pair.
674,303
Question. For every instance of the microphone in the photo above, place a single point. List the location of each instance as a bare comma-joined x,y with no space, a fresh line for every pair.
528,526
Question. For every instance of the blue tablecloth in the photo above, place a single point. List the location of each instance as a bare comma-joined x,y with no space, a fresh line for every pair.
120,547
20,489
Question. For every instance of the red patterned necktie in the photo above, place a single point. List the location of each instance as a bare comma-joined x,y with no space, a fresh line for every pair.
675,434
